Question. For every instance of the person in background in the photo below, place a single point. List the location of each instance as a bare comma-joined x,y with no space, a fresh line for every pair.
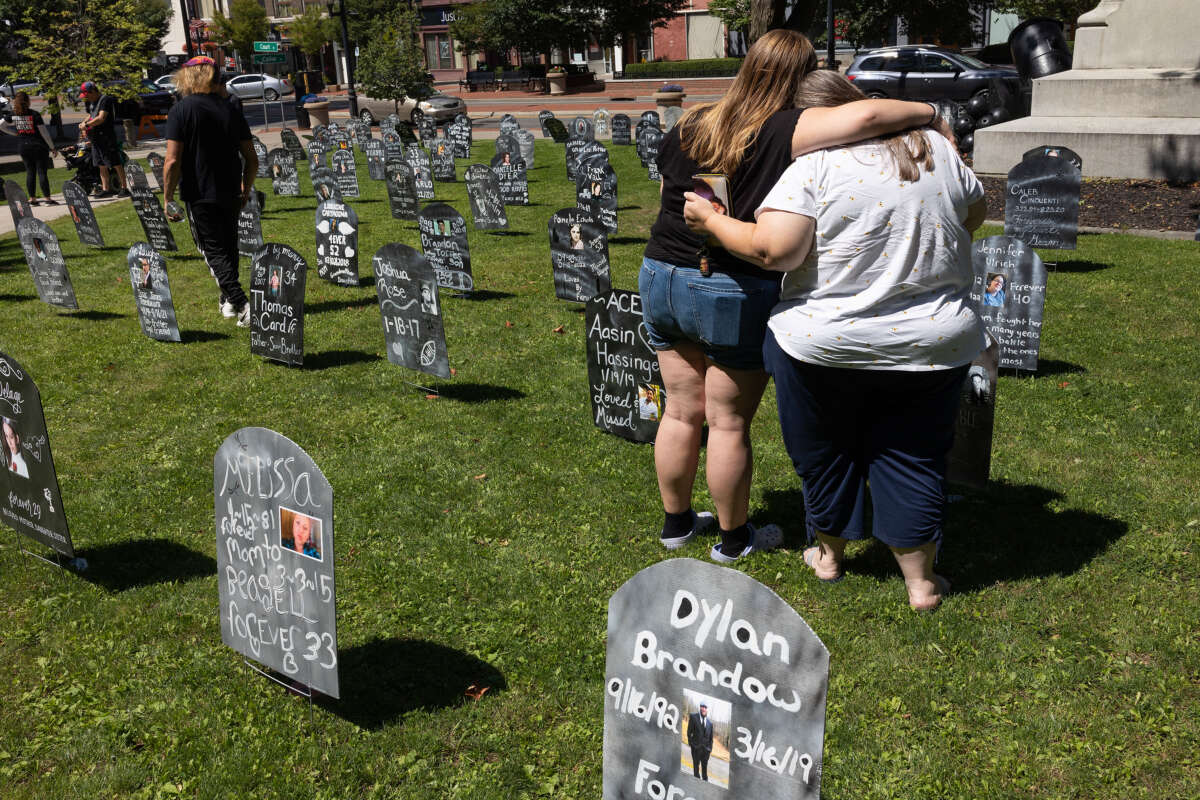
35,147
870,343
54,109
102,132
205,136
708,325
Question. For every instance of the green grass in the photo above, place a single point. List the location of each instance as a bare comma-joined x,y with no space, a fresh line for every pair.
479,536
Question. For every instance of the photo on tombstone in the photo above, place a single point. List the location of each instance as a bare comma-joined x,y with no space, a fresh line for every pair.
1009,292
714,688
423,179
514,182
393,147
277,279
543,116
376,160
285,180
273,514
969,461
152,293
620,129
444,243
249,226
46,263
525,146
600,120
441,153
136,176
345,173
30,501
460,139
624,382
154,222
337,243
578,255
582,127
483,193
1041,205
18,202
291,143
402,190
325,184
340,140
260,150
155,160
596,191
558,131
410,310
509,124
86,226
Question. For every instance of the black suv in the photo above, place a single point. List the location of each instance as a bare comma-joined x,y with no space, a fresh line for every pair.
926,73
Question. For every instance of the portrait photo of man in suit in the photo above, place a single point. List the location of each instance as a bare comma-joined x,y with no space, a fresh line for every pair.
704,738
700,740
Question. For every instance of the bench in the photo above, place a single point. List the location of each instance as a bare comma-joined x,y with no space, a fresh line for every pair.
516,77
477,79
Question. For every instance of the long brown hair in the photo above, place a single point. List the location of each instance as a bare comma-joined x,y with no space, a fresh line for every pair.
907,151
716,135
21,103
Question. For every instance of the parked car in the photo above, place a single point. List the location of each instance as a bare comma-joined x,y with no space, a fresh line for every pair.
255,85
441,107
926,73
13,85
165,82
151,100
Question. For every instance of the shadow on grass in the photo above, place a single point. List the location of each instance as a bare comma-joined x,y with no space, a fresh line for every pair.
483,294
1077,266
384,679
17,297
509,233
477,392
192,337
144,562
1048,367
95,316
629,208
340,305
627,240
337,358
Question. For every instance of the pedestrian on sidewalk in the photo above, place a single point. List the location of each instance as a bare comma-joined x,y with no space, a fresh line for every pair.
102,131
54,109
35,147
205,135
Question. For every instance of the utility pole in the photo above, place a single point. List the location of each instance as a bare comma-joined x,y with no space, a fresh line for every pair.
350,94
829,35
187,28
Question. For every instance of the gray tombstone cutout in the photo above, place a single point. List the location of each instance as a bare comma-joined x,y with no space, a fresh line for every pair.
578,255
514,183
345,172
507,143
260,150
600,118
30,502
1010,295
444,242
509,124
460,138
596,191
970,459
136,176
487,204
325,185
250,238
558,131
154,222
155,160
543,115
152,293
442,157
46,264
682,634
624,381
525,146
671,115
337,243
582,127
86,226
292,143
651,139
284,178
402,190
277,278
620,129
376,160
1041,206
393,147
410,310
18,202
273,509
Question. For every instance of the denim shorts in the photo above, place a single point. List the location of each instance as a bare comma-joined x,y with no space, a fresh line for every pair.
725,314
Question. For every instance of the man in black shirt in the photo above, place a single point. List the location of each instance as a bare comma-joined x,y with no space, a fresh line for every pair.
205,135
102,132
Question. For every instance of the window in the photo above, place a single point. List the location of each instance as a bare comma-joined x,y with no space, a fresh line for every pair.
439,54
932,62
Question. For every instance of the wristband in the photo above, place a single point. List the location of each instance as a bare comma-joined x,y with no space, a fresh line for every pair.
936,113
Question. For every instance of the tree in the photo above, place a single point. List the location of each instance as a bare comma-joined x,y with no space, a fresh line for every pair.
391,66
1066,11
310,31
861,21
245,25
734,13
767,15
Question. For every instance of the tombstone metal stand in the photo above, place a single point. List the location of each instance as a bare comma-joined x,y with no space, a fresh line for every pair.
59,560
290,685
425,389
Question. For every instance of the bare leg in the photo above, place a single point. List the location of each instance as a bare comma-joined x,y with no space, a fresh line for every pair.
732,398
925,588
826,561
120,170
103,178
677,445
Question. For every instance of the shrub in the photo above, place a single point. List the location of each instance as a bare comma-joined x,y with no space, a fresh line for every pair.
684,69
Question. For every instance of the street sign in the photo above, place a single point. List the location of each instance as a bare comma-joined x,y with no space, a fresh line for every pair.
266,47
269,58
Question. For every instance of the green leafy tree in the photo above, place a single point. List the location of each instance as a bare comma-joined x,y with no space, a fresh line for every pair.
1066,11
245,25
861,21
391,66
311,31
734,13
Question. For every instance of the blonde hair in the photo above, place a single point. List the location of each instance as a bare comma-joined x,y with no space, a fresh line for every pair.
717,135
200,79
907,151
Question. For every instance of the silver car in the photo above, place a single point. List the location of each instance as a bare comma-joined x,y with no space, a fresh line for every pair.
256,85
439,107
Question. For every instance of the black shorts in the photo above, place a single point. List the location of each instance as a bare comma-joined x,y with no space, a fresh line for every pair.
106,153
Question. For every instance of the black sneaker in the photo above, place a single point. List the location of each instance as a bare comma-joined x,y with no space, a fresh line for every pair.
49,201
103,193
123,193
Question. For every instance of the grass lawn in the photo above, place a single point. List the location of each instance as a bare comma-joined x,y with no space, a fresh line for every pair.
480,535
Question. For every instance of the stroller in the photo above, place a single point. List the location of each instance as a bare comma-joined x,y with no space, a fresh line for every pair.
79,158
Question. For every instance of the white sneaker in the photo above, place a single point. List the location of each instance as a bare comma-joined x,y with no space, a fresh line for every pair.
243,317
227,310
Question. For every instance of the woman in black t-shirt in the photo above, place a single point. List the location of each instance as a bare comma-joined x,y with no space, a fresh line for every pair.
708,326
35,149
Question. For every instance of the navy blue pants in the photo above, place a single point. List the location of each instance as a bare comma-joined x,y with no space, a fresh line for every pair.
844,428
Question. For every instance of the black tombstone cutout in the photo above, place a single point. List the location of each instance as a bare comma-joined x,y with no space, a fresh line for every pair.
402,190
509,124
250,238
624,382
46,264
152,293
525,146
1056,151
154,222
638,141
316,155
320,132
376,160
273,510
136,176
339,139
325,184
592,153
671,115
579,255
30,502
444,242
558,131
277,278
574,147
284,178
970,459
423,179
596,191
1041,206
337,243
291,143
442,156
362,135
416,156
463,118
460,139
155,160
682,634
80,206
427,128
652,140
393,147
600,121
652,118
620,129
409,308
388,123
487,204
345,172
18,203
582,127
1010,294
514,183
543,115
260,150
407,136
507,143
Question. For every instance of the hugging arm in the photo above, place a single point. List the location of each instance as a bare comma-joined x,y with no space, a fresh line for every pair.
863,119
